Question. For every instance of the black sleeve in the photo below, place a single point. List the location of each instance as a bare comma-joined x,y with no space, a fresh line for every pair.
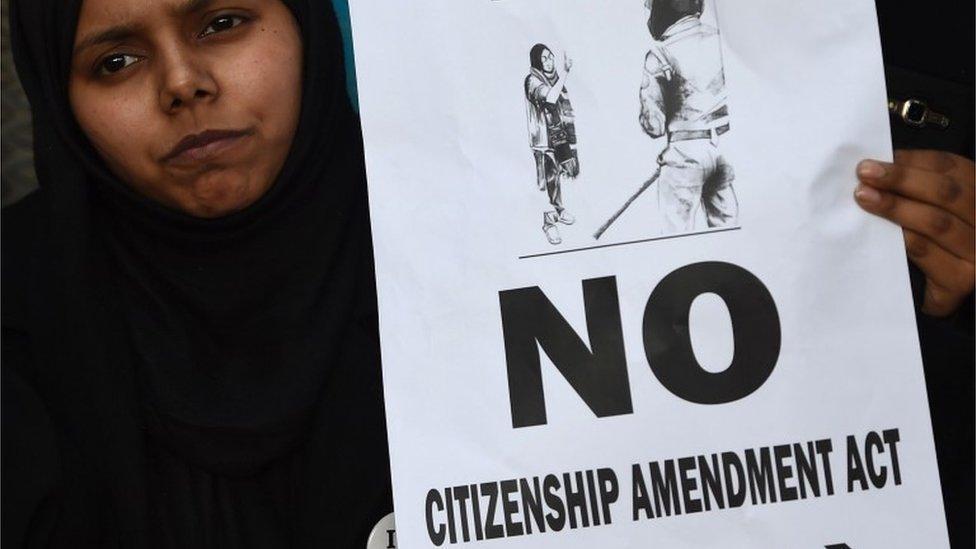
928,55
29,459
947,346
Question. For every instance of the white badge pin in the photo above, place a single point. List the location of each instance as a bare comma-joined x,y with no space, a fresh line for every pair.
383,535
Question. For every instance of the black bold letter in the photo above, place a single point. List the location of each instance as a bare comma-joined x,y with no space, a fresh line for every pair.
599,377
437,534
755,328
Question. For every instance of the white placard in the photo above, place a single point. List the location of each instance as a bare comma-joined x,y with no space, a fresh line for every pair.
682,374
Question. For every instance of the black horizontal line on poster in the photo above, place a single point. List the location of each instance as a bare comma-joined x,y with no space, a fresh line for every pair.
641,241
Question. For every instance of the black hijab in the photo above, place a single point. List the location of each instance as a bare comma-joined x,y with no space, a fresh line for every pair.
535,56
210,382
535,61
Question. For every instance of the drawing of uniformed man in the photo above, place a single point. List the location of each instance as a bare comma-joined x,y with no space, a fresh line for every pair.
683,96
552,134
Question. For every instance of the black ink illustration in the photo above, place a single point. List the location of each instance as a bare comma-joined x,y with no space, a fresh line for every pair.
552,133
683,97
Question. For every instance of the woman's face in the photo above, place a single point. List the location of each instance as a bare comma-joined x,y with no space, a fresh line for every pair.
193,103
548,62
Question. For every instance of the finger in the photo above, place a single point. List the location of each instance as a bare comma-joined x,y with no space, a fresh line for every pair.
949,272
935,188
948,279
938,301
947,230
961,168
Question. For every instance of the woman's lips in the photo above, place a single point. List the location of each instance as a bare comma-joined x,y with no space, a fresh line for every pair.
204,146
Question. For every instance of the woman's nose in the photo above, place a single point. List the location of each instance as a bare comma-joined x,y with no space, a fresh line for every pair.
185,81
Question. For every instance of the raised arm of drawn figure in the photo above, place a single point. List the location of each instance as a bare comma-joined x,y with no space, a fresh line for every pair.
558,88
652,117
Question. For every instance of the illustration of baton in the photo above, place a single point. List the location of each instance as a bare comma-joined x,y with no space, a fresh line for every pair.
599,232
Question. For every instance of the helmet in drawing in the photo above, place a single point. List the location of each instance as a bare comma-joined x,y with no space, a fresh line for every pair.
665,13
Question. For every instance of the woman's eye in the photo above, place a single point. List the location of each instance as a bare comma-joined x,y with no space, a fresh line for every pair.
116,62
222,23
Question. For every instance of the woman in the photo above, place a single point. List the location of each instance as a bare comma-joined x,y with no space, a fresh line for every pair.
190,353
552,134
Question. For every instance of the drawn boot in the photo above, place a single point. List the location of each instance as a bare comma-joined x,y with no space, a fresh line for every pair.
566,218
549,220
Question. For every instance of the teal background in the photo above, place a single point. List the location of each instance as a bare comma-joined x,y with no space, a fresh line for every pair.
342,12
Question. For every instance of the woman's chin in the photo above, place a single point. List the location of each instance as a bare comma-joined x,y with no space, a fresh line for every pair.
218,195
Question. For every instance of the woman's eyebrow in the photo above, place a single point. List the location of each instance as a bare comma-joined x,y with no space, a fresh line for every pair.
111,34
121,32
192,6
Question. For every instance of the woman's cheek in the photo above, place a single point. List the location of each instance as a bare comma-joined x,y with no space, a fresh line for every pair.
121,125
270,73
131,154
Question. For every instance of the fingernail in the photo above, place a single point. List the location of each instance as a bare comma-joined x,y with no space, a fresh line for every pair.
867,195
871,169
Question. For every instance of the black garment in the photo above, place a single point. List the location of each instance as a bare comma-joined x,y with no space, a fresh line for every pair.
928,50
179,382
548,171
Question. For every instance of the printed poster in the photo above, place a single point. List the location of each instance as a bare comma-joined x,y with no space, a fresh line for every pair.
626,297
